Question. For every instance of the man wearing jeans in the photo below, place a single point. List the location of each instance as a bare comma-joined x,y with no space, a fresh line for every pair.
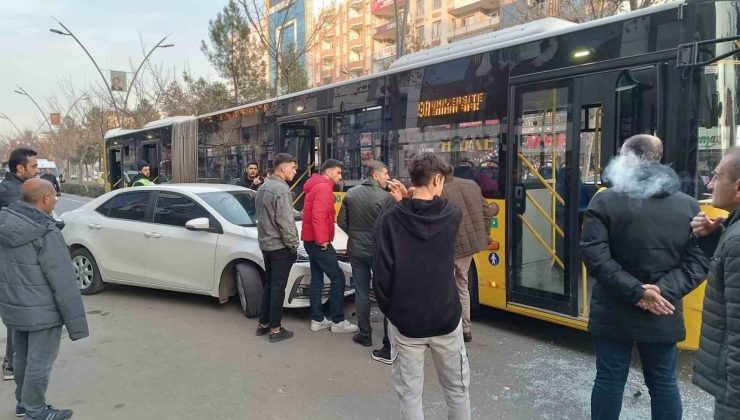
317,234
360,209
415,287
636,244
278,239
38,295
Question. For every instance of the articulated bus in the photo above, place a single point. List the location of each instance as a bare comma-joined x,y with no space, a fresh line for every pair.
532,113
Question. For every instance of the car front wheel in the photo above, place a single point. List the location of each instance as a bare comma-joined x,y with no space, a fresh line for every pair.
87,272
249,289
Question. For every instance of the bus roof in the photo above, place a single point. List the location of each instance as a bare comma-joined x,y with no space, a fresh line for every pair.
117,132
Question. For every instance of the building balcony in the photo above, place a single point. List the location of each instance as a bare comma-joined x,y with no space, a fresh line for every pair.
356,65
466,7
385,32
385,7
356,4
327,54
475,28
385,52
356,43
327,72
356,22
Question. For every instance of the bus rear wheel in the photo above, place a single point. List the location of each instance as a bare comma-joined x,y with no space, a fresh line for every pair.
473,290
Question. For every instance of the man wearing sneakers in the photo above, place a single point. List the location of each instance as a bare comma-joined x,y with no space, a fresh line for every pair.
278,239
317,234
360,208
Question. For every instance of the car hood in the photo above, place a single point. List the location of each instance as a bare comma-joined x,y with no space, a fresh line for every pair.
339,243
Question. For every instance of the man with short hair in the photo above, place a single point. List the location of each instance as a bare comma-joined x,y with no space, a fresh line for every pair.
636,244
278,238
472,237
142,178
251,178
360,209
317,233
22,166
717,366
415,287
38,295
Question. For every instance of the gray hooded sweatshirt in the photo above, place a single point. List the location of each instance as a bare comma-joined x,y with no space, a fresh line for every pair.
38,288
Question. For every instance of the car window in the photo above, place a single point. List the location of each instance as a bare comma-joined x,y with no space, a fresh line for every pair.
176,210
129,206
235,206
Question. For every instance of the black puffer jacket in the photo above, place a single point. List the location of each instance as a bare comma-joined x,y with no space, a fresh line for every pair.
360,209
10,190
628,242
717,366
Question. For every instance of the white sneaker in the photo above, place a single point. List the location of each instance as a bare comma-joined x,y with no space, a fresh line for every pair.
318,326
344,327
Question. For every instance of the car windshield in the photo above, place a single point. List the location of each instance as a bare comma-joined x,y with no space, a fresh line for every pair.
235,206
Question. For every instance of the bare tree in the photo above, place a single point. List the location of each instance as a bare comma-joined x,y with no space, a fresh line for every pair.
574,10
287,56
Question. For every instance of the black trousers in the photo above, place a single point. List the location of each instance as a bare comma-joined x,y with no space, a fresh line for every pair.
277,266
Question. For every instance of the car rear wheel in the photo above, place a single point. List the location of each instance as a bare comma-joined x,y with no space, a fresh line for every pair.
249,289
87,272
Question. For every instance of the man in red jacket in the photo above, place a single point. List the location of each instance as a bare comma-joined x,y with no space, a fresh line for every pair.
317,233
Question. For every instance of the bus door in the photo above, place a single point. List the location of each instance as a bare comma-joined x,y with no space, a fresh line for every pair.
566,132
150,154
115,168
302,139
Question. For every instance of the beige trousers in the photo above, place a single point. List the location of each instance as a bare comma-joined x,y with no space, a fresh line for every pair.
462,266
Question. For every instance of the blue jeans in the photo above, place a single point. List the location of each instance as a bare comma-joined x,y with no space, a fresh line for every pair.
325,262
612,366
361,272
35,353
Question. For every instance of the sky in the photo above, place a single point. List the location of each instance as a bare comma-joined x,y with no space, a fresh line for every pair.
38,60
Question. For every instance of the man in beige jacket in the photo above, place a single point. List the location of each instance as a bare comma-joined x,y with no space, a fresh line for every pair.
473,235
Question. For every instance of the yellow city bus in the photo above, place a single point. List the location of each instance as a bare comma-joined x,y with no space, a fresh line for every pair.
531,113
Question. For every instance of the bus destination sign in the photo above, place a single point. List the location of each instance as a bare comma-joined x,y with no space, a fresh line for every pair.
450,106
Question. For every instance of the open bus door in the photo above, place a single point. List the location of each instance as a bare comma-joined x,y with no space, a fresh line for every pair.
565,132
302,139
115,168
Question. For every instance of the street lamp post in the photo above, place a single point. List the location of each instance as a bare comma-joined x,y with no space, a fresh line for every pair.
68,32
23,92
5,117
136,73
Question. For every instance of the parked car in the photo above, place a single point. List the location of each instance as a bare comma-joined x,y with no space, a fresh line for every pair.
195,238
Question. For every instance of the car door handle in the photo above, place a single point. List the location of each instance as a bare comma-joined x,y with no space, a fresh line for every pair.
94,226
152,235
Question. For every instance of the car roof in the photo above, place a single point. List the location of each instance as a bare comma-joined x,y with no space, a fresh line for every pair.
194,188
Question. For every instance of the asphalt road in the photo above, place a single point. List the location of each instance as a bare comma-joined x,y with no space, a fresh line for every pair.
158,355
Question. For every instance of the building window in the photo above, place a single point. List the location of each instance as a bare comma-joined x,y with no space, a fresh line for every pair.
419,8
436,4
436,30
421,33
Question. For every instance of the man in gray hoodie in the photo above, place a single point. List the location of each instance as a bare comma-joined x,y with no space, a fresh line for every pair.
38,295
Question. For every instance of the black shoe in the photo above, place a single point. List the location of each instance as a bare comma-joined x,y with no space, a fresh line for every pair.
383,355
51,413
19,410
261,330
363,340
281,335
467,337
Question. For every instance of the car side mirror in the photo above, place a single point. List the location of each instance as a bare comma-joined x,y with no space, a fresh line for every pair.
200,223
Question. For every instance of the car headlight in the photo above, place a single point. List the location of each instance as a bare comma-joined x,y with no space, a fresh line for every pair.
302,255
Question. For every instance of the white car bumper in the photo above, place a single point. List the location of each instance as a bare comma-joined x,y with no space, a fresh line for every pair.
299,285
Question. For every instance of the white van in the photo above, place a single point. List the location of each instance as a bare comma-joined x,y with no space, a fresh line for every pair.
45,164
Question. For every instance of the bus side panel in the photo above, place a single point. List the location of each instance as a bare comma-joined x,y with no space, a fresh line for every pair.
491,264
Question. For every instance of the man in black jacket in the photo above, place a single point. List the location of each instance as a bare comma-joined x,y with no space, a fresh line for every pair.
636,244
251,178
357,216
22,165
717,366
415,287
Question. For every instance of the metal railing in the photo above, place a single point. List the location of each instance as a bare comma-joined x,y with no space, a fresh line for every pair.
298,181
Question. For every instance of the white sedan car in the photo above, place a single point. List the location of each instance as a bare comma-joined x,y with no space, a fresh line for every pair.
195,238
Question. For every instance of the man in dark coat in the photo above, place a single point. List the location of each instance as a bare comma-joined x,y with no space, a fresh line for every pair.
22,166
38,295
251,178
360,209
636,244
717,366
